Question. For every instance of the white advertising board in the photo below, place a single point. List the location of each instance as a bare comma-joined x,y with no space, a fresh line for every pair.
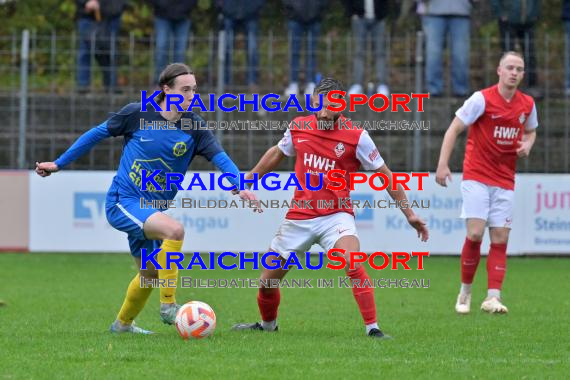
67,214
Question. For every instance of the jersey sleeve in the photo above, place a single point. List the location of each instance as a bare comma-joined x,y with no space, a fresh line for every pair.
125,121
472,109
207,145
532,121
225,164
367,153
286,144
83,144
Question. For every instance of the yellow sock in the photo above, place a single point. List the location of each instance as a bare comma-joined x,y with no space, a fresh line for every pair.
134,301
168,295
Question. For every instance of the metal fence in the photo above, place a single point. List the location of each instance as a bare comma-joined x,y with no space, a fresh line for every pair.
54,114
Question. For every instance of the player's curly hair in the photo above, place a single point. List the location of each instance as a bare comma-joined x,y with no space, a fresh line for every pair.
168,77
327,85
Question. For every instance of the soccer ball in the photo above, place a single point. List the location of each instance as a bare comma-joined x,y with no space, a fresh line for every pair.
195,320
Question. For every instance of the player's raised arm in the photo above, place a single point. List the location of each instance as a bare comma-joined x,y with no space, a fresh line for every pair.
400,195
225,164
83,144
210,148
119,124
273,156
268,162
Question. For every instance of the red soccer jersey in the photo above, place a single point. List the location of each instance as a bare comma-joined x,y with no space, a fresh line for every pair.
321,150
495,127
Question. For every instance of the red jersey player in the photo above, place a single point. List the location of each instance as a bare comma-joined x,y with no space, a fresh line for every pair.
502,125
318,151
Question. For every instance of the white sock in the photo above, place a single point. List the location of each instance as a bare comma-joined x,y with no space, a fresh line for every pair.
269,325
372,326
494,293
465,288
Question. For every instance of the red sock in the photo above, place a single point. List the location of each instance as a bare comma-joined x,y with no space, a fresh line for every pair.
268,302
364,296
470,256
496,265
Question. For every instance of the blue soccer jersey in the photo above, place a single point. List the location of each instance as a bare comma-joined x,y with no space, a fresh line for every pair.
170,150
151,149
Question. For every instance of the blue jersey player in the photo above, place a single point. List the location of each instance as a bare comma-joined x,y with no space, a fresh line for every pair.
150,149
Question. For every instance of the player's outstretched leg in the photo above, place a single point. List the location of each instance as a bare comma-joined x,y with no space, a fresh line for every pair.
470,257
496,269
363,292
268,299
132,305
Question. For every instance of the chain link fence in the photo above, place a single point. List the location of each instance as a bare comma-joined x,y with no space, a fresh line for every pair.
55,113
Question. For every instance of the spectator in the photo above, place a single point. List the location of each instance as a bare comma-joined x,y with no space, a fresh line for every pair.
442,18
566,18
171,28
368,18
304,17
516,24
98,22
238,14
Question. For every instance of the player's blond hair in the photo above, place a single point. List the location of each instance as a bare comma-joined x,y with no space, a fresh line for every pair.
510,52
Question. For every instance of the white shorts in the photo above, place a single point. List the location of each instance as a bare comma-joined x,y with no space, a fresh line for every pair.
299,235
490,203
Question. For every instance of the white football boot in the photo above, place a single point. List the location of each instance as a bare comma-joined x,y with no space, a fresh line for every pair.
493,305
463,304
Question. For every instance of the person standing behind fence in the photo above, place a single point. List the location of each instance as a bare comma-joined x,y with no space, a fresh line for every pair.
303,17
171,29
516,25
368,18
443,18
238,14
98,23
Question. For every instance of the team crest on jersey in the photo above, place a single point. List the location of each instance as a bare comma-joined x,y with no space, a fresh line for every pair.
339,149
179,148
522,118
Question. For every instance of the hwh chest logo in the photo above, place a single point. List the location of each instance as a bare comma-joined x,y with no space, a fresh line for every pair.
317,162
506,133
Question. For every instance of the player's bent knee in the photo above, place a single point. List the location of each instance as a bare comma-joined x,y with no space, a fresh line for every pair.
175,232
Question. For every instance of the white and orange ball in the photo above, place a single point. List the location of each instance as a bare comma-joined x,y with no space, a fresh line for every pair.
195,320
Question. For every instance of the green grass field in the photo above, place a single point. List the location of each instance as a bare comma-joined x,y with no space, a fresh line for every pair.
61,305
